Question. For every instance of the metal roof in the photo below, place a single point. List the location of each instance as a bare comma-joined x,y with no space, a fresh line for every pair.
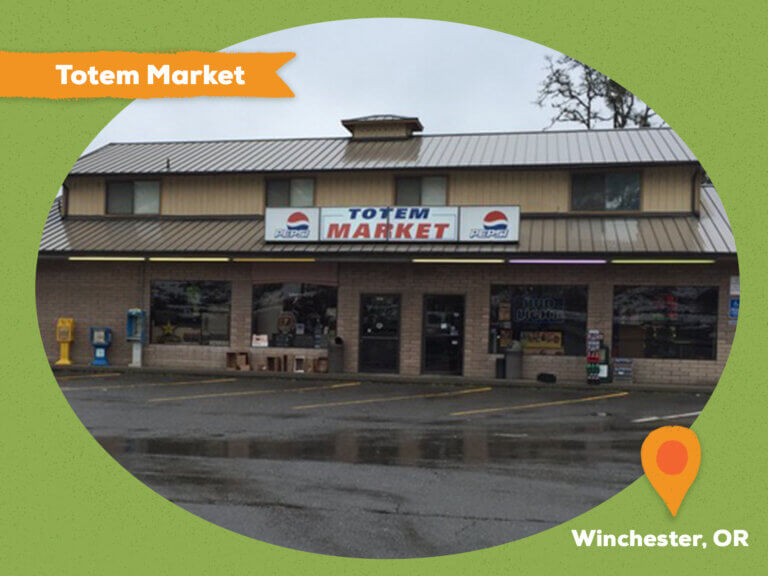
710,234
521,149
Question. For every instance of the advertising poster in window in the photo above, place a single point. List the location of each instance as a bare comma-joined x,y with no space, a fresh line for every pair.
541,342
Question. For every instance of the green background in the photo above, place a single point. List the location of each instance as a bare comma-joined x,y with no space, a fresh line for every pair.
67,508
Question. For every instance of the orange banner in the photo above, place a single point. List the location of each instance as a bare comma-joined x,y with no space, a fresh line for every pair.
142,75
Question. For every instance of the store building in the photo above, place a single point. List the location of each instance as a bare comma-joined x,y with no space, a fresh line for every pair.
426,254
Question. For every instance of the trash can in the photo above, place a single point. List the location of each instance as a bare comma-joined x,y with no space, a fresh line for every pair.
500,370
513,362
336,356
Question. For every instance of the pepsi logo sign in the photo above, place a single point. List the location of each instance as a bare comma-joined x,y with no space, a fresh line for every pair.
291,224
297,221
296,227
495,227
489,224
393,224
495,220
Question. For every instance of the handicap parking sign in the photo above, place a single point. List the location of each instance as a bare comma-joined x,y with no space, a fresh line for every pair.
733,308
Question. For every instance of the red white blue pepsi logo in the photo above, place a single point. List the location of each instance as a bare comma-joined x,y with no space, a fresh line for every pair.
495,227
495,220
297,221
295,227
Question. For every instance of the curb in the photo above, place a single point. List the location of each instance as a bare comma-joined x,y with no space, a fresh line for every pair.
394,379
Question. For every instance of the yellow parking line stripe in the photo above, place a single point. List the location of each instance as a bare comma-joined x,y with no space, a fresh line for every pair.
251,392
151,384
391,398
539,404
86,376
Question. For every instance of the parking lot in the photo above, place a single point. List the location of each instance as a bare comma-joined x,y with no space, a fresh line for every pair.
373,469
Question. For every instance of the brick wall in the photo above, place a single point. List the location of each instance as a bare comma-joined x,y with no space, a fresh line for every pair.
94,294
99,293
474,282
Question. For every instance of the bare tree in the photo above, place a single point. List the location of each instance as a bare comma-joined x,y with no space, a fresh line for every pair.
578,93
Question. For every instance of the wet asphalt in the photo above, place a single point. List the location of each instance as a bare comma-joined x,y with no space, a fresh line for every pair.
373,470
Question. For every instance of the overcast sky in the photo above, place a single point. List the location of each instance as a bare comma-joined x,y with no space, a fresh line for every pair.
455,78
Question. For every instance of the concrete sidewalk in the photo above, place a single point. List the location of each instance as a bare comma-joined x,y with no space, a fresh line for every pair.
394,379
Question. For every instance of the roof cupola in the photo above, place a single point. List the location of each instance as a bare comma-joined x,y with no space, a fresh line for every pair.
382,127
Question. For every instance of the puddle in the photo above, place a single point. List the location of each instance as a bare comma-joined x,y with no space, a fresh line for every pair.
401,448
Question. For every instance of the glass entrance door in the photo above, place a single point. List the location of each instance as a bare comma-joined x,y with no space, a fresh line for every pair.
443,348
379,333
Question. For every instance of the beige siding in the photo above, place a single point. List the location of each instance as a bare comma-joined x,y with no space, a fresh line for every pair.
353,189
667,189
225,194
664,189
85,196
534,191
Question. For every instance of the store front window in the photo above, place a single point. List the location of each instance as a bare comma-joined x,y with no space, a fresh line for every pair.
542,319
665,322
190,312
293,315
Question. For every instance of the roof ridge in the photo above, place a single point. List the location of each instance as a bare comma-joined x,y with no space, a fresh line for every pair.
435,135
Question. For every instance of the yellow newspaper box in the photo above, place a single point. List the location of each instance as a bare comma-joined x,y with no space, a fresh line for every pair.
65,334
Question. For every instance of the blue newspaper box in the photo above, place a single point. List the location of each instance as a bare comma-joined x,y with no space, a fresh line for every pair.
101,339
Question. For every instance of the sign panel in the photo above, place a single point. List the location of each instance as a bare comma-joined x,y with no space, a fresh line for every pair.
354,224
394,224
260,341
735,286
490,224
389,224
292,224
424,224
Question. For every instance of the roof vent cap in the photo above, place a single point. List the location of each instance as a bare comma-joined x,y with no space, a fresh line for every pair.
382,127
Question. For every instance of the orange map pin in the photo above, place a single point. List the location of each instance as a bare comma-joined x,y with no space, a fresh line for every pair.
671,456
